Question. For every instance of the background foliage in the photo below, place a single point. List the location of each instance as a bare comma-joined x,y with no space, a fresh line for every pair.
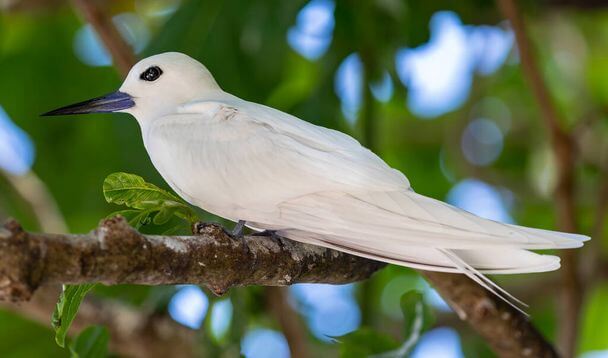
434,87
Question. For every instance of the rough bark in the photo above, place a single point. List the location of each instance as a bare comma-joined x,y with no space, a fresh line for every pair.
116,253
506,330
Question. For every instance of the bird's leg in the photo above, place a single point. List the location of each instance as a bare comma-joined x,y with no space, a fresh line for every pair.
237,231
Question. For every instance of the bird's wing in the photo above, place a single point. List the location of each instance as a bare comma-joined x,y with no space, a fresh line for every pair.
400,219
337,194
351,193
339,158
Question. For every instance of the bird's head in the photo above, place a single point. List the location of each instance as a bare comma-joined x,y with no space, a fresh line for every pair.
154,86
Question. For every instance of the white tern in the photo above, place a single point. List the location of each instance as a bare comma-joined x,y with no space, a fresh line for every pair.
254,164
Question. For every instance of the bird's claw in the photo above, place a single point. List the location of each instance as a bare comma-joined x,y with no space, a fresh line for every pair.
201,228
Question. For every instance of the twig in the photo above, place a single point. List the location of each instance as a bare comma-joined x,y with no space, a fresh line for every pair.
44,207
564,152
122,54
289,320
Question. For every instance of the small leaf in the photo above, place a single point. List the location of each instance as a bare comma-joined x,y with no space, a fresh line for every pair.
365,342
91,343
164,214
66,309
134,192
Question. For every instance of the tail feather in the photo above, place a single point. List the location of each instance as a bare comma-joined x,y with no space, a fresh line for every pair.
483,281
408,229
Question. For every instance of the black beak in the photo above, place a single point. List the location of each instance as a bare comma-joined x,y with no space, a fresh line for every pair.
112,102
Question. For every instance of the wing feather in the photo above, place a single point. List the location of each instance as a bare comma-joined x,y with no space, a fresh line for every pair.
320,186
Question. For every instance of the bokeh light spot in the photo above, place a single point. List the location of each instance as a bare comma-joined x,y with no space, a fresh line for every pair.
439,74
312,34
481,199
330,310
383,89
264,343
16,147
439,343
481,142
348,85
90,50
188,306
221,317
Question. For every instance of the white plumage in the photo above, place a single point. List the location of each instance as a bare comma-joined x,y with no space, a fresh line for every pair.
245,161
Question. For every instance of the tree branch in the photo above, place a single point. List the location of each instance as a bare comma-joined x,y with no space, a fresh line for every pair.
564,153
116,253
506,330
34,192
122,55
290,322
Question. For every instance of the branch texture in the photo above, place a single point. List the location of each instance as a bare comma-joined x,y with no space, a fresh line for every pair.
506,330
116,253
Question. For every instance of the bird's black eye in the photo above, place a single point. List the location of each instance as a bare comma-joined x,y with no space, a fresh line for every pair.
151,74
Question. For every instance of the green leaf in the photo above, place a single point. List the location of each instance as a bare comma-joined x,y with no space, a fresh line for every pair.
91,343
135,218
594,324
66,309
165,213
417,316
365,342
134,192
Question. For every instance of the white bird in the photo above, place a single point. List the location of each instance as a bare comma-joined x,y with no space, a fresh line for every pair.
254,164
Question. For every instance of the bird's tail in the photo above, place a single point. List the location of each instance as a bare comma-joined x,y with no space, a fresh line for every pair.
407,229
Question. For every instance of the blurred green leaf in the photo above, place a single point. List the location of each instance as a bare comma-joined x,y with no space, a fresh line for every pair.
23,338
416,319
365,342
148,202
417,316
91,343
67,308
595,325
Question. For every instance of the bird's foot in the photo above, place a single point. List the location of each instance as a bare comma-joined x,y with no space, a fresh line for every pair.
237,231
268,233
202,228
206,228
